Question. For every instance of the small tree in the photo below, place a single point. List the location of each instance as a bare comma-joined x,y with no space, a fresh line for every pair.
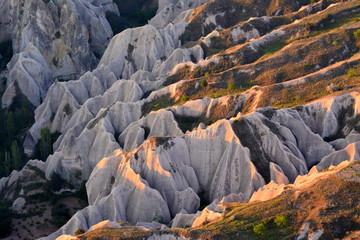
185,98
55,182
281,221
7,163
203,83
357,34
231,86
351,73
45,143
259,229
16,155
10,124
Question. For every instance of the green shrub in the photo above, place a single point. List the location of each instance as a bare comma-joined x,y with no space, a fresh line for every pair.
281,221
185,98
231,86
16,154
45,143
6,52
351,73
55,182
217,95
357,34
335,43
79,231
81,192
203,83
259,229
207,74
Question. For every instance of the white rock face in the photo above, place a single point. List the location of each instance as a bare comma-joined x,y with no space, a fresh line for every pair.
59,44
267,192
211,213
148,49
272,190
164,176
142,168
105,224
66,237
18,204
184,220
25,68
277,175
229,158
144,55
350,153
169,10
160,123
233,197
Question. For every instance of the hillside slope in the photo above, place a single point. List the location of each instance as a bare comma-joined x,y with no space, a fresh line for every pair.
210,100
307,209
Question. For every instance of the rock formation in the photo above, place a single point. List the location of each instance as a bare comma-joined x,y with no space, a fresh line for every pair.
177,113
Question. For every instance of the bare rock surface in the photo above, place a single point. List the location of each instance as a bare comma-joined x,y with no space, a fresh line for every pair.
58,45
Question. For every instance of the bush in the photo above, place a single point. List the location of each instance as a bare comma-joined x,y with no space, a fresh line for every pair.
203,83
185,98
357,34
231,86
45,143
55,182
117,24
79,231
259,229
281,221
81,192
207,74
351,73
217,95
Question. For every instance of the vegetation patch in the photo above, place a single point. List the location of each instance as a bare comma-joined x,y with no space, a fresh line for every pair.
6,53
159,103
133,13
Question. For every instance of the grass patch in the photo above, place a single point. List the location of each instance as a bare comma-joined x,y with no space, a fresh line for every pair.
330,22
159,103
272,48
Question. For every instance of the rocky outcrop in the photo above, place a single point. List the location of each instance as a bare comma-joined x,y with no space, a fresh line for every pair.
229,157
60,44
160,173
149,155
123,59
350,153
273,190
